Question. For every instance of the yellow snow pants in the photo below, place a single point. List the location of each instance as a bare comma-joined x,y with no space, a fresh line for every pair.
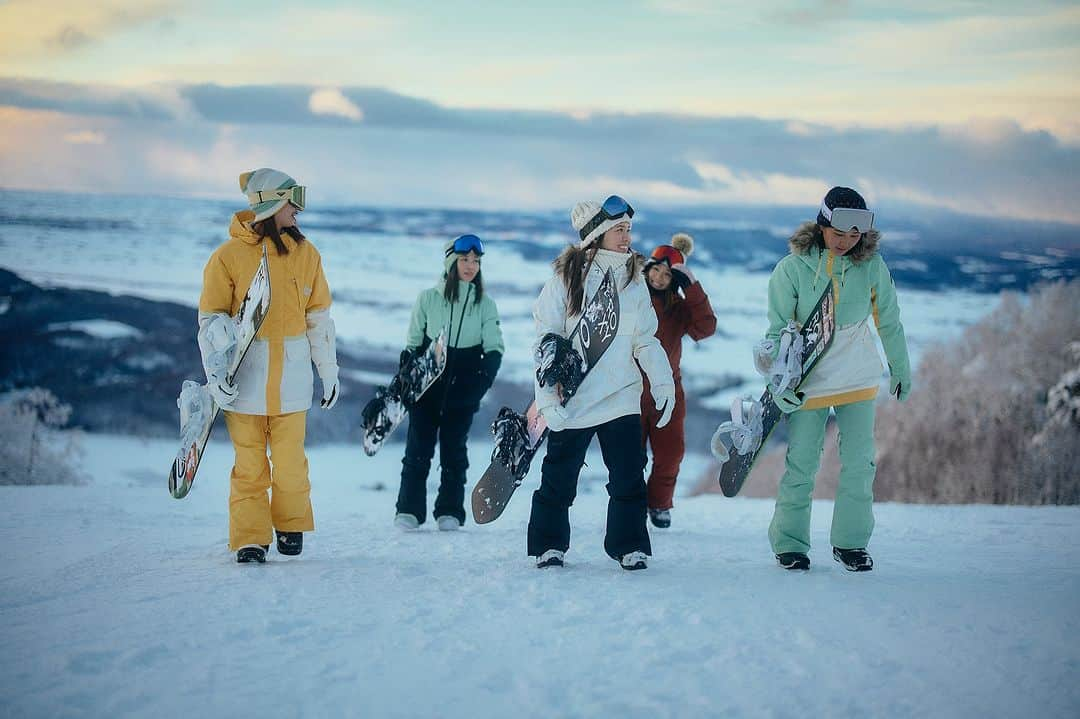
252,515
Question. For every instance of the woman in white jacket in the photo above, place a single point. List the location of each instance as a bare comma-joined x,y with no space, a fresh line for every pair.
607,404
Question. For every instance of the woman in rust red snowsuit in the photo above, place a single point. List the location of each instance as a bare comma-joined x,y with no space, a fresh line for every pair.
687,314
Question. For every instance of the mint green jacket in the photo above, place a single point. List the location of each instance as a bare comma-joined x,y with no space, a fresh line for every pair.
468,323
850,371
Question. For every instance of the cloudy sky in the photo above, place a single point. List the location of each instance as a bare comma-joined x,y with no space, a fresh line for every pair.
970,106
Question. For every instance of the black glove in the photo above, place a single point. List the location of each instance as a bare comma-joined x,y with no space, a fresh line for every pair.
680,280
489,368
405,358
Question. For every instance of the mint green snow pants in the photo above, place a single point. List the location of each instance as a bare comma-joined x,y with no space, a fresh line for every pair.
853,514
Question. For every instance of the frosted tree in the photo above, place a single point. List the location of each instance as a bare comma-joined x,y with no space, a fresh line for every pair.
35,451
992,417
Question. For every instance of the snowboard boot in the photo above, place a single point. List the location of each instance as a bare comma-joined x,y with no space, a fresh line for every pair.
448,523
406,522
793,560
550,558
290,543
634,561
252,553
854,560
660,518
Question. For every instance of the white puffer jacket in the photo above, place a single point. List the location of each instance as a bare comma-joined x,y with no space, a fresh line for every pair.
613,387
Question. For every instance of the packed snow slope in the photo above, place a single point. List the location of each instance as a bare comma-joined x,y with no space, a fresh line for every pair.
118,600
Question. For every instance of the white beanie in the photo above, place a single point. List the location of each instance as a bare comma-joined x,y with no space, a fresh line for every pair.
265,178
580,215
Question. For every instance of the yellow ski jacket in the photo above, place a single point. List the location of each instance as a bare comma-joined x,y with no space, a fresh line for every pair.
275,377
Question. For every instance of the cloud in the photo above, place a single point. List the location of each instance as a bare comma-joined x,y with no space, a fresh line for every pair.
29,29
330,101
415,149
773,188
187,167
85,137
149,103
818,14
70,38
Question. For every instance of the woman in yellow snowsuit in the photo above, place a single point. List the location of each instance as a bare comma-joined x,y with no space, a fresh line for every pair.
266,406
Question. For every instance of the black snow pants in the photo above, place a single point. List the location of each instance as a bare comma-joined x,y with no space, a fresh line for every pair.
430,421
624,455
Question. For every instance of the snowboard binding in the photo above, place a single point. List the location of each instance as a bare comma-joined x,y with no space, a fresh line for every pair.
744,427
511,432
558,363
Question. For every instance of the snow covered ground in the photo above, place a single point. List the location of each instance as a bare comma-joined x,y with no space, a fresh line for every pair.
118,600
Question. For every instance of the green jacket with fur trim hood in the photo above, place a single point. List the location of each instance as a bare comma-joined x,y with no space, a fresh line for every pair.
863,288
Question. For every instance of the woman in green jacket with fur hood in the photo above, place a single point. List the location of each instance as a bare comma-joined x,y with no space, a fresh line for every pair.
840,248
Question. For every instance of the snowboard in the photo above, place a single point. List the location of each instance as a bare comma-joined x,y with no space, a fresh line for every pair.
817,334
195,401
387,410
518,437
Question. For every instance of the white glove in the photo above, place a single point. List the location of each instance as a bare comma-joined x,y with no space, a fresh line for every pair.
664,397
331,388
555,416
323,340
223,392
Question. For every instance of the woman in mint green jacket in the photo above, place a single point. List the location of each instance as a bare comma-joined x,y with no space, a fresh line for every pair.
458,305
840,248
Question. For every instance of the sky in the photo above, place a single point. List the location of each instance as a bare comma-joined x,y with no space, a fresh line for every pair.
966,106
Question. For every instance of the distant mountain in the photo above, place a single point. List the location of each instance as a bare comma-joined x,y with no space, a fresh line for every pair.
119,360
101,310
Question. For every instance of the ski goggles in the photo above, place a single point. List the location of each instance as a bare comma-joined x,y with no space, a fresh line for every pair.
295,195
668,254
465,244
845,219
614,208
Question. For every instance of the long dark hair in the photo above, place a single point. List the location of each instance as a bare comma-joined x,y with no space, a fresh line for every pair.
267,228
573,263
450,287
669,296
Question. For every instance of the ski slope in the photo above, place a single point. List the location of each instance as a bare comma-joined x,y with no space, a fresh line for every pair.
118,600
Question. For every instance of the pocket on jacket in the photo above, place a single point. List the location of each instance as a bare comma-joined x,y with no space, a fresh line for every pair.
297,379
251,379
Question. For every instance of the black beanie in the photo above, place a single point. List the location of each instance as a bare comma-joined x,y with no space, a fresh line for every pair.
840,197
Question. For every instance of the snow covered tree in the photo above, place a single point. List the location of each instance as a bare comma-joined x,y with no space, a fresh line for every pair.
993,417
35,452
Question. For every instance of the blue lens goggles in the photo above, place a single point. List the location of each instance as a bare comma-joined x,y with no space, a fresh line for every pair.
614,208
465,244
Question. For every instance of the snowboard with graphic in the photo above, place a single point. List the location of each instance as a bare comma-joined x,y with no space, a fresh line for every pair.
198,410
383,414
817,334
518,437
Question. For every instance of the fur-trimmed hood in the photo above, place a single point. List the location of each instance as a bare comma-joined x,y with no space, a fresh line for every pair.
806,238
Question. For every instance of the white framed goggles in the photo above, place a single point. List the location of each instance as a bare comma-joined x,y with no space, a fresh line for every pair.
295,195
846,219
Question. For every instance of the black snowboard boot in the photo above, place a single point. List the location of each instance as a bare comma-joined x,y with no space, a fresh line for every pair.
290,543
660,518
252,553
854,560
793,560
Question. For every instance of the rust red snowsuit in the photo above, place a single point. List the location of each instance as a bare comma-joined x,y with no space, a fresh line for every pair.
692,315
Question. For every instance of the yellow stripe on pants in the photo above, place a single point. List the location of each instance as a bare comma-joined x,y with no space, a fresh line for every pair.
252,515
